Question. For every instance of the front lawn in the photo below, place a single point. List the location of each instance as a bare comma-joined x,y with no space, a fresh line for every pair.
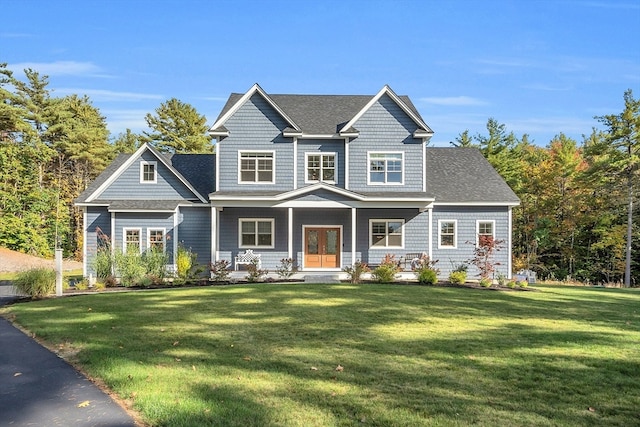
347,355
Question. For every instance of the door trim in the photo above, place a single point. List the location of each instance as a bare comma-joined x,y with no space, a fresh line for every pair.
340,244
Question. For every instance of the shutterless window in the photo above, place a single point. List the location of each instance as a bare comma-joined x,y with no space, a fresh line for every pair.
132,239
448,234
148,172
156,239
485,228
256,233
256,167
321,167
386,233
385,168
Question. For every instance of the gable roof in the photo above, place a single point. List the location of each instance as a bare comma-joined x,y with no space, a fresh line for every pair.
319,114
463,176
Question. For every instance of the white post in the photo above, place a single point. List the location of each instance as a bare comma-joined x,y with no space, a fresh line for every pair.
59,272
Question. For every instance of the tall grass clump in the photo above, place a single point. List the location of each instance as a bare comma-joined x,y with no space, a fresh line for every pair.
387,270
36,283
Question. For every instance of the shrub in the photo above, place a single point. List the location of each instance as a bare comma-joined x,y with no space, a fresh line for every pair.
458,277
483,254
502,279
356,271
287,268
511,284
155,262
220,270
36,283
254,273
103,263
185,259
426,276
485,282
82,285
129,267
523,283
387,270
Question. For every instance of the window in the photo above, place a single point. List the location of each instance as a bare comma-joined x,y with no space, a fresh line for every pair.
447,234
256,233
131,240
256,167
386,233
148,173
321,167
155,239
385,168
484,229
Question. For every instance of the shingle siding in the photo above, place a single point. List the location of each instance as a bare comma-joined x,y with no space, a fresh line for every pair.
194,232
321,146
144,221
98,221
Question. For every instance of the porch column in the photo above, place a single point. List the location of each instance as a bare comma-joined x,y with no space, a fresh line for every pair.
176,222
290,233
214,234
430,233
353,235
113,233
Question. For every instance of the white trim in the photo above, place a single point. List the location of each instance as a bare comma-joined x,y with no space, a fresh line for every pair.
214,231
354,224
124,238
321,154
423,166
295,163
493,228
386,220
84,241
369,153
430,233
164,237
256,220
217,165
455,234
509,248
290,233
273,167
304,245
144,163
176,237
346,163
113,233
492,204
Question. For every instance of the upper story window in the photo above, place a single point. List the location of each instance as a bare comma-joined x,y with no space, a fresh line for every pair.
484,230
321,167
386,233
256,233
447,234
148,172
256,167
386,168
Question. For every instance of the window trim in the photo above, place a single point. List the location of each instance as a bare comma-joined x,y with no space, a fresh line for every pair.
369,182
493,228
321,154
164,237
255,221
455,234
124,238
386,220
273,167
144,163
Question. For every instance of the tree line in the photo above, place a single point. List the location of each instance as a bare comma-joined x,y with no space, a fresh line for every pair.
578,217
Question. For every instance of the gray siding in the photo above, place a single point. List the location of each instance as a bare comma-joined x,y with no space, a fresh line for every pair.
321,146
194,232
385,127
255,126
128,187
144,221
466,218
98,221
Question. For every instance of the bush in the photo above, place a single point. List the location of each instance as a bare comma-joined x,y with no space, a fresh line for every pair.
155,262
458,277
103,263
511,284
287,268
426,276
356,271
387,270
129,267
485,282
254,273
220,270
36,283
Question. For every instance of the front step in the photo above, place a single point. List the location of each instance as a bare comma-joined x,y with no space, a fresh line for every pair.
314,278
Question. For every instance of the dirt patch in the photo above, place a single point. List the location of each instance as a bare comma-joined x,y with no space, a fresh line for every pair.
12,261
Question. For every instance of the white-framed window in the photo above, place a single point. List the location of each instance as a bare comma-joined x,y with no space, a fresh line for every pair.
256,232
156,239
447,233
256,167
148,172
386,233
485,228
386,168
131,239
321,167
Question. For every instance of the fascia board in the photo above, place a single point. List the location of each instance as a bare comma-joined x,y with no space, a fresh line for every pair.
475,204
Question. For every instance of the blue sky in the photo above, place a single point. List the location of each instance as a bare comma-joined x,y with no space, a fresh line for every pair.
541,67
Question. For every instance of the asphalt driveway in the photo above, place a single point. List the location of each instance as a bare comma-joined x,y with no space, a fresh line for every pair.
37,388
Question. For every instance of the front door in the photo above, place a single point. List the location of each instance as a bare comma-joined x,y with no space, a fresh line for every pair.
322,247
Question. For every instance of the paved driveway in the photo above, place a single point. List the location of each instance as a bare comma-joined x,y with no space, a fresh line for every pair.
37,388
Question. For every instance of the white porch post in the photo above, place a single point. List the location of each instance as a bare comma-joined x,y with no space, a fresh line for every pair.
214,234
113,233
176,221
353,235
509,248
84,241
290,233
430,233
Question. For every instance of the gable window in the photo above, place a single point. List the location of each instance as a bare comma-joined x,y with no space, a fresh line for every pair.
386,233
484,230
131,240
256,233
447,234
148,172
256,167
156,239
321,167
385,168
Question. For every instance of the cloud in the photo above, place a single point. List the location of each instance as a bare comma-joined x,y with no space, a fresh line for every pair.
118,121
101,95
61,68
456,101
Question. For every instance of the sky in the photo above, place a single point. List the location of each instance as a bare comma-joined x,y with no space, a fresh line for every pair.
540,67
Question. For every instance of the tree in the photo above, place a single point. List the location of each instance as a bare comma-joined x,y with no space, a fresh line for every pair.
127,142
618,156
178,128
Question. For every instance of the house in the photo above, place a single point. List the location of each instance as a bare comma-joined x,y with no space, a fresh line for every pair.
324,179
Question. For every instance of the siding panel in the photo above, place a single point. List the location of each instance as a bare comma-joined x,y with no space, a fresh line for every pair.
194,232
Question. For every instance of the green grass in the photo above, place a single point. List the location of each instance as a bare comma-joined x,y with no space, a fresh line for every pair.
266,354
